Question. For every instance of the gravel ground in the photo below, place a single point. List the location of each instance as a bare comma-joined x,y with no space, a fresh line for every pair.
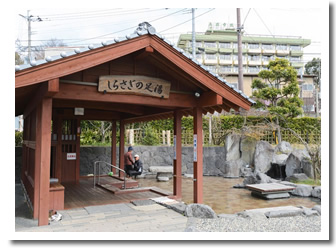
241,224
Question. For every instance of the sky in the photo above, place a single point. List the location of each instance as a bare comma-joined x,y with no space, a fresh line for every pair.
84,26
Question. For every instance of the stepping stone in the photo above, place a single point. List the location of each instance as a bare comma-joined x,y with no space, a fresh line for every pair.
162,179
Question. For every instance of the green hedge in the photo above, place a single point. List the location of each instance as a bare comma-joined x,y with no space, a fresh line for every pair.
302,124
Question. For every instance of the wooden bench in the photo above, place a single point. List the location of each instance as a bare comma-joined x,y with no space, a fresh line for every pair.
270,190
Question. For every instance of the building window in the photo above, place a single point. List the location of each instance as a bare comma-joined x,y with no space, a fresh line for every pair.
225,56
235,69
253,46
225,45
267,58
224,69
295,48
254,58
212,68
293,59
267,46
198,56
235,45
299,70
198,44
307,87
281,47
253,69
210,44
235,57
210,56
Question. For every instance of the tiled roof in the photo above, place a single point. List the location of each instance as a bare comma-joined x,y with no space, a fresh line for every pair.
142,30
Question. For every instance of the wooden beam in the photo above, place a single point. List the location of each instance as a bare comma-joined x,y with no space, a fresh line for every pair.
90,93
44,142
46,89
114,146
178,154
125,108
79,62
121,147
147,51
209,98
230,104
205,78
198,155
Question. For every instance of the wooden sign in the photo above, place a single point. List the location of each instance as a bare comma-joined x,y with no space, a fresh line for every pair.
138,85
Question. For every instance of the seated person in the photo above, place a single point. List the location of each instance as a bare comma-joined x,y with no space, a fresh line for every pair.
138,168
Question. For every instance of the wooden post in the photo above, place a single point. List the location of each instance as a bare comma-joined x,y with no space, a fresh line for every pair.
114,146
122,146
198,155
44,141
177,154
77,123
36,200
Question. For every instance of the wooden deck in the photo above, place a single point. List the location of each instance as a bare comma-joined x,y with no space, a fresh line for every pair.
84,194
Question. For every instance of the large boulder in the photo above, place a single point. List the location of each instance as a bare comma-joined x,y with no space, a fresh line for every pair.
263,156
247,149
232,168
293,162
307,167
279,159
200,211
316,192
258,177
297,177
232,143
302,190
283,148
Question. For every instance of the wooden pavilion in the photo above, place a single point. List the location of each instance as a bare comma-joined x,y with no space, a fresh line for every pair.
138,78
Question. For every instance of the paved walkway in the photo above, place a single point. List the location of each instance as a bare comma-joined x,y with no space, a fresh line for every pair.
145,216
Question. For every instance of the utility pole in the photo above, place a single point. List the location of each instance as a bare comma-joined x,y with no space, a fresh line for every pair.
30,19
240,52
193,34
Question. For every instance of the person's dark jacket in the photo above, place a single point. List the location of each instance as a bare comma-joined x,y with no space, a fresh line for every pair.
138,166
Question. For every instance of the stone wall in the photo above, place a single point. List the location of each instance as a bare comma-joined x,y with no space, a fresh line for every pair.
213,158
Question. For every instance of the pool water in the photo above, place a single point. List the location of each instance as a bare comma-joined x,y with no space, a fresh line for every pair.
219,194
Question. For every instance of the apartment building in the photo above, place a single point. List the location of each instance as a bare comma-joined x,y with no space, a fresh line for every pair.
217,49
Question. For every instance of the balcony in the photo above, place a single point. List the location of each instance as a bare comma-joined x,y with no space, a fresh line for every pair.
225,61
282,52
225,50
296,53
268,51
254,50
254,62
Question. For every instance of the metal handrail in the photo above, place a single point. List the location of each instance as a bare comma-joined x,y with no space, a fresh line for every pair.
94,172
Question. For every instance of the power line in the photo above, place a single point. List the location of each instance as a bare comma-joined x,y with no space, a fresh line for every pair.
186,21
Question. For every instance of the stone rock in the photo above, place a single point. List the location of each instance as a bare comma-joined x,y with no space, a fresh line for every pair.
164,174
258,177
279,159
247,149
156,169
317,208
245,171
232,143
293,162
297,177
303,190
316,192
288,183
263,156
307,167
283,213
200,211
232,168
309,212
162,179
283,147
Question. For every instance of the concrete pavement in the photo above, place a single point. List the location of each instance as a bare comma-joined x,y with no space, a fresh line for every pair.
142,216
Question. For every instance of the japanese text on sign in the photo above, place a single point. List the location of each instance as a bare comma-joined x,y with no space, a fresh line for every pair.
134,85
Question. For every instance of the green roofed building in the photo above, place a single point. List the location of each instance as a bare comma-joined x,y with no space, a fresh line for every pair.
217,49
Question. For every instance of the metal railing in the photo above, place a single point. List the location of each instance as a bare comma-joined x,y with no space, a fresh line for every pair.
95,170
